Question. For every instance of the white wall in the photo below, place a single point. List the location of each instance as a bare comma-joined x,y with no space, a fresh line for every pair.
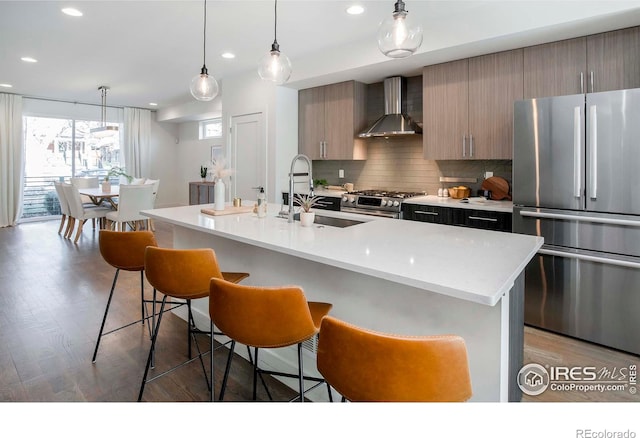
247,94
161,162
177,153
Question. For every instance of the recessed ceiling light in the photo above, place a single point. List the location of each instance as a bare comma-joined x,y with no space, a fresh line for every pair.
72,12
355,10
228,55
6,85
153,104
28,59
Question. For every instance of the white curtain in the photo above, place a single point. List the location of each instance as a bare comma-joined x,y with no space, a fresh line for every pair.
11,159
137,131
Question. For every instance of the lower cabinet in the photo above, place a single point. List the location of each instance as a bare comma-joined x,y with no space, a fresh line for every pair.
326,203
462,217
201,193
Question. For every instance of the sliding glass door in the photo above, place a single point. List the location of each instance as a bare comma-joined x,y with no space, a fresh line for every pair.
56,149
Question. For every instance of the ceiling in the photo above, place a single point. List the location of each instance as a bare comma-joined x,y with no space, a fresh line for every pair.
148,51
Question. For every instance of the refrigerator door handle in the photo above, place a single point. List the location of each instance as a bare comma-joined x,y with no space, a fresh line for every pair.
589,258
577,175
571,217
593,148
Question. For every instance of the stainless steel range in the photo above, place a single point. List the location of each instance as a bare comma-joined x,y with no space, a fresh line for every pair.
376,202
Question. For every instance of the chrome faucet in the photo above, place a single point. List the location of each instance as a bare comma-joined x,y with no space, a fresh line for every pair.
291,182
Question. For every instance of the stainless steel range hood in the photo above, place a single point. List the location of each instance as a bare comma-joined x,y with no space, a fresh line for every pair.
395,121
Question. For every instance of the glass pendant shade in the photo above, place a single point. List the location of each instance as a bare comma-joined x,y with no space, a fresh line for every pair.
204,86
398,37
275,66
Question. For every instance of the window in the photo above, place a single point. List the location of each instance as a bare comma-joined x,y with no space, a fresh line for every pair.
211,128
56,149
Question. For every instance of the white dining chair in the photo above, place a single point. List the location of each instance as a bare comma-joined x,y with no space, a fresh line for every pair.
64,208
86,182
131,200
80,213
156,184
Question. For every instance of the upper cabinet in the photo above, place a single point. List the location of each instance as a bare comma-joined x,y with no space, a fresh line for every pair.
601,62
555,69
329,119
468,107
613,60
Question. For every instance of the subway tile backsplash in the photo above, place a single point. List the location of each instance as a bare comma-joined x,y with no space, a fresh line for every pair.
397,164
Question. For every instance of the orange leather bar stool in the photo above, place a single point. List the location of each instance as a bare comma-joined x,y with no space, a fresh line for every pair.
364,365
266,317
183,274
124,251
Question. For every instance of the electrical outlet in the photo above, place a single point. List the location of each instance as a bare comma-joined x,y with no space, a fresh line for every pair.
488,175
341,173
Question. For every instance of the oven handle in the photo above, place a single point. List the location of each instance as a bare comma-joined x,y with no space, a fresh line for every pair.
369,212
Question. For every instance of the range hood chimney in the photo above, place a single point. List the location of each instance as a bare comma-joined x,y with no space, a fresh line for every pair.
395,121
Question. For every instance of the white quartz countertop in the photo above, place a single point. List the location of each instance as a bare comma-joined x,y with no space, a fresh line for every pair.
466,263
475,203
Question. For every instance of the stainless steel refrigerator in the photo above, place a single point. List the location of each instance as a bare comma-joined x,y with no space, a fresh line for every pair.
576,182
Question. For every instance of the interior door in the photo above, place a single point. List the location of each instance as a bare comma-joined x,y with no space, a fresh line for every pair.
613,151
548,156
249,157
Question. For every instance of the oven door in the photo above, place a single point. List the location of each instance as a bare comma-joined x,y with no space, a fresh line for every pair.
389,214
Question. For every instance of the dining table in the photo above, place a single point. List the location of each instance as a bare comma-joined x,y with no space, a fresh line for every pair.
97,195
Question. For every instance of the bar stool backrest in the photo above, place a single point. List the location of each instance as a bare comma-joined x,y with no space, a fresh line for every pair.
181,273
125,250
263,317
364,365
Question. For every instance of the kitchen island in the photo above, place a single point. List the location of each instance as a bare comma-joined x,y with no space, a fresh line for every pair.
383,274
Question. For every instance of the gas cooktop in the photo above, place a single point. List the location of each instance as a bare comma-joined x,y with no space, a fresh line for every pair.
386,193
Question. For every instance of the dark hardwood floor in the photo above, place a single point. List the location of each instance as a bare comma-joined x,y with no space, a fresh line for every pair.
52,298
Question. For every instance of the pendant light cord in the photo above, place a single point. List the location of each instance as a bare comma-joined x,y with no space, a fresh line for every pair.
275,22
204,38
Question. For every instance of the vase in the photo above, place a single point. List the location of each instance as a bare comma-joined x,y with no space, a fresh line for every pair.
218,195
106,187
307,218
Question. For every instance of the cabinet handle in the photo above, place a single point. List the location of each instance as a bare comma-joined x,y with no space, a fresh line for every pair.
321,149
470,146
581,83
486,219
591,80
430,213
464,146
324,153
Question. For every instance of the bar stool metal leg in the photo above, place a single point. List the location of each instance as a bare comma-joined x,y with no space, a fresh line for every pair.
104,318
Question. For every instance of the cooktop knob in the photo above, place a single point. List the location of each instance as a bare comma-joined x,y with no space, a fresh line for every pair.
383,202
345,199
352,199
395,203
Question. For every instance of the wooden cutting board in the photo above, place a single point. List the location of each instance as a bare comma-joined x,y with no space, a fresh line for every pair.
498,186
227,210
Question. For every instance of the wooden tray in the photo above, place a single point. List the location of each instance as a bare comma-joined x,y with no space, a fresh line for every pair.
227,210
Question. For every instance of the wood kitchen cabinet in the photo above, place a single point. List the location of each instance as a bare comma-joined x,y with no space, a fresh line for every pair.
468,107
201,193
601,62
329,119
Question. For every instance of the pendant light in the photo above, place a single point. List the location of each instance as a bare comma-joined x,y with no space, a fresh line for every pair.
104,130
275,66
397,37
204,86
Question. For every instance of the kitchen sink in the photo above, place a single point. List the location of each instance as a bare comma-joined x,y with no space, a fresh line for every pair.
331,221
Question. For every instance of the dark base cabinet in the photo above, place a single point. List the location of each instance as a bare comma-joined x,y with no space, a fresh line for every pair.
326,203
462,217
